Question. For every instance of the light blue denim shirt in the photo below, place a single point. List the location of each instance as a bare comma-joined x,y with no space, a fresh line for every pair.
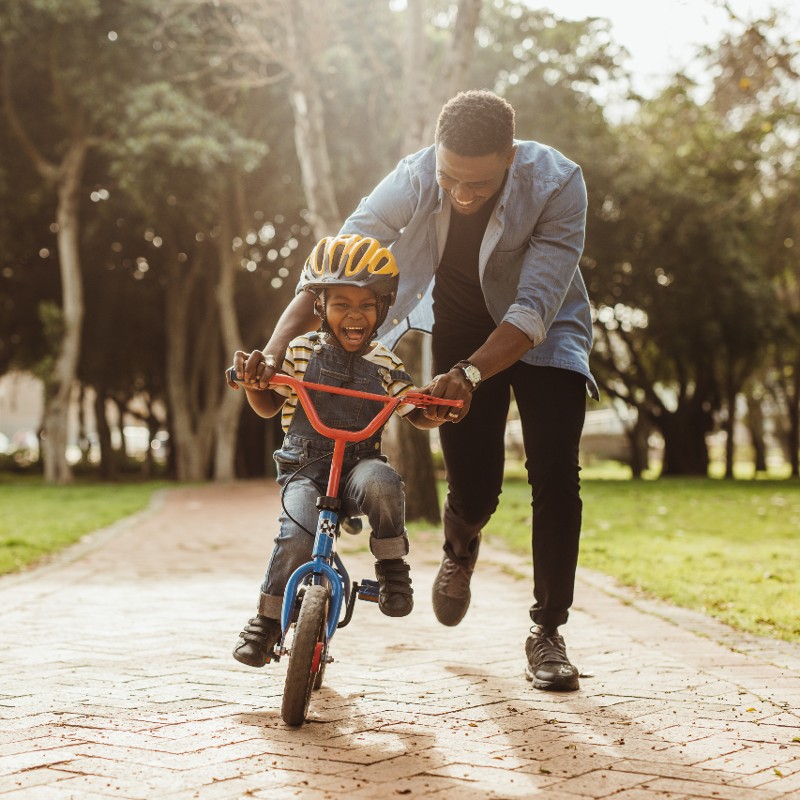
528,261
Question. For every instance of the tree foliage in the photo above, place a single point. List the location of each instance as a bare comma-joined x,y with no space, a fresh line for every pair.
222,137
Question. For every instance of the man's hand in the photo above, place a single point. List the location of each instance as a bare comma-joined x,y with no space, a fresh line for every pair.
451,385
255,369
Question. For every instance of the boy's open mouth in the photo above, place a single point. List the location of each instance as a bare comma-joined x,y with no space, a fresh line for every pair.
353,335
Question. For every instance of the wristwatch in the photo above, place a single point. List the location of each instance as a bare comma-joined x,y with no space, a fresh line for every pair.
471,373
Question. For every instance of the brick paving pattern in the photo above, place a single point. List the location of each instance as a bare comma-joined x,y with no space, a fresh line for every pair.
116,681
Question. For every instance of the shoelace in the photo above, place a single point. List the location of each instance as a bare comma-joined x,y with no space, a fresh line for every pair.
550,649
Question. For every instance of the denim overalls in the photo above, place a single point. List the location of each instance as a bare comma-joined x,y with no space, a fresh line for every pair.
369,485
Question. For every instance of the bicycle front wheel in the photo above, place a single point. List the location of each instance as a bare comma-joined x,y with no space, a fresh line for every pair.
306,660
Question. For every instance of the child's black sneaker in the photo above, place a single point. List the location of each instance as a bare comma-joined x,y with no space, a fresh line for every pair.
257,641
395,595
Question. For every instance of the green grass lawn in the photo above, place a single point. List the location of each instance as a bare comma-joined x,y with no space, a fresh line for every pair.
729,548
36,520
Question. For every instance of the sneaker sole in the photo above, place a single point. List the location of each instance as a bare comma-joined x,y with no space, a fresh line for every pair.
571,684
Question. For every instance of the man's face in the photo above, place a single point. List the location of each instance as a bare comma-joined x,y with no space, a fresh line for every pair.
471,180
352,314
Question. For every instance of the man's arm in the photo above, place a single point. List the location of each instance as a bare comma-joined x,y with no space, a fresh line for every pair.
505,346
551,260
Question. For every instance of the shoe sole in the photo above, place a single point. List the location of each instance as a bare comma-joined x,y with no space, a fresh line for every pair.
565,685
250,663
447,615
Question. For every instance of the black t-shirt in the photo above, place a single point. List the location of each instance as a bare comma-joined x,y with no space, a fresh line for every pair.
459,307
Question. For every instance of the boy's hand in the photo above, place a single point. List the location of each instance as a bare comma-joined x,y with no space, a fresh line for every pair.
255,369
451,386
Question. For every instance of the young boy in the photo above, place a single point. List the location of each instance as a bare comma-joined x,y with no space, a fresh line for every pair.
355,282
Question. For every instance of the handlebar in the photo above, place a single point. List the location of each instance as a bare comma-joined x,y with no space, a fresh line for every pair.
418,399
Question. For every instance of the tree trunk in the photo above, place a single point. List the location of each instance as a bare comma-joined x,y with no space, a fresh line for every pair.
426,89
305,41
638,443
61,381
121,407
230,409
755,426
730,429
793,398
685,449
108,463
417,105
459,55
409,449
192,427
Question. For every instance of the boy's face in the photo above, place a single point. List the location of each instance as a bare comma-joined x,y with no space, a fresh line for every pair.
352,314
471,180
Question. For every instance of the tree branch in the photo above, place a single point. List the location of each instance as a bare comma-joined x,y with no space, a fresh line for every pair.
47,169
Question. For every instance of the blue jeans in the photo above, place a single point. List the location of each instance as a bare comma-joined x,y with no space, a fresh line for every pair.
370,487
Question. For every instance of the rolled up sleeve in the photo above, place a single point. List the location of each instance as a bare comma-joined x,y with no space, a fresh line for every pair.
528,321
550,261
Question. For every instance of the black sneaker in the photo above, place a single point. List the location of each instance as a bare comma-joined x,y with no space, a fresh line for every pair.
548,666
451,592
257,641
395,595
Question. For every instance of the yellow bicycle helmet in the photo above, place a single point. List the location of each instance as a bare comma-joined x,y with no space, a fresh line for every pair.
352,260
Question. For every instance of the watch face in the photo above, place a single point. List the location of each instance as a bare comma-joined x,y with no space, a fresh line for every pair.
473,374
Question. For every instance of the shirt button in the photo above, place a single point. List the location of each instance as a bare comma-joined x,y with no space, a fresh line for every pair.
377,445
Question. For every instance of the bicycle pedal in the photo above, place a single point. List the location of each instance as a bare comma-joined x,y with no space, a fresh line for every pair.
368,590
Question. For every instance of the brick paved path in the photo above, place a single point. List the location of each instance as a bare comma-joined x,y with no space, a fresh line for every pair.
116,681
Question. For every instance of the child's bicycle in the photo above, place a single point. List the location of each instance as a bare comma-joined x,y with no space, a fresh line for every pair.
322,587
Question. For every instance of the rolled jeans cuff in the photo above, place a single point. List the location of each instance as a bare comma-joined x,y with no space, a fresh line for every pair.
391,547
270,605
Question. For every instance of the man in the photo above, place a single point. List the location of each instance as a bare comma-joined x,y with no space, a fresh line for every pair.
489,231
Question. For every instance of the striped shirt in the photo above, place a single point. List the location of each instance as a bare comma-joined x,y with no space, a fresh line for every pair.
299,353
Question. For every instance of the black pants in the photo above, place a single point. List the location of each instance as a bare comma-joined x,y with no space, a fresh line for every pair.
552,406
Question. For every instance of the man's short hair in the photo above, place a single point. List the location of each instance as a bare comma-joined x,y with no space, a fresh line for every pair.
476,123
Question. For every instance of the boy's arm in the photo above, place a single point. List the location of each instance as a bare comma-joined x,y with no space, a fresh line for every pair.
260,365
264,402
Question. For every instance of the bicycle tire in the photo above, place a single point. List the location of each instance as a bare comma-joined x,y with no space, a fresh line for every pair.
302,672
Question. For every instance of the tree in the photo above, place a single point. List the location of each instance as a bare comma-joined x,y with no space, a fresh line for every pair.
70,57
61,169
683,207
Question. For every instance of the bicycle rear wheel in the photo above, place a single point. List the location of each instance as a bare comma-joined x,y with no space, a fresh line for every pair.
306,660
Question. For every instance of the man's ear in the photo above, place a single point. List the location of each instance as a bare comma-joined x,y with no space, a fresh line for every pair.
319,306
